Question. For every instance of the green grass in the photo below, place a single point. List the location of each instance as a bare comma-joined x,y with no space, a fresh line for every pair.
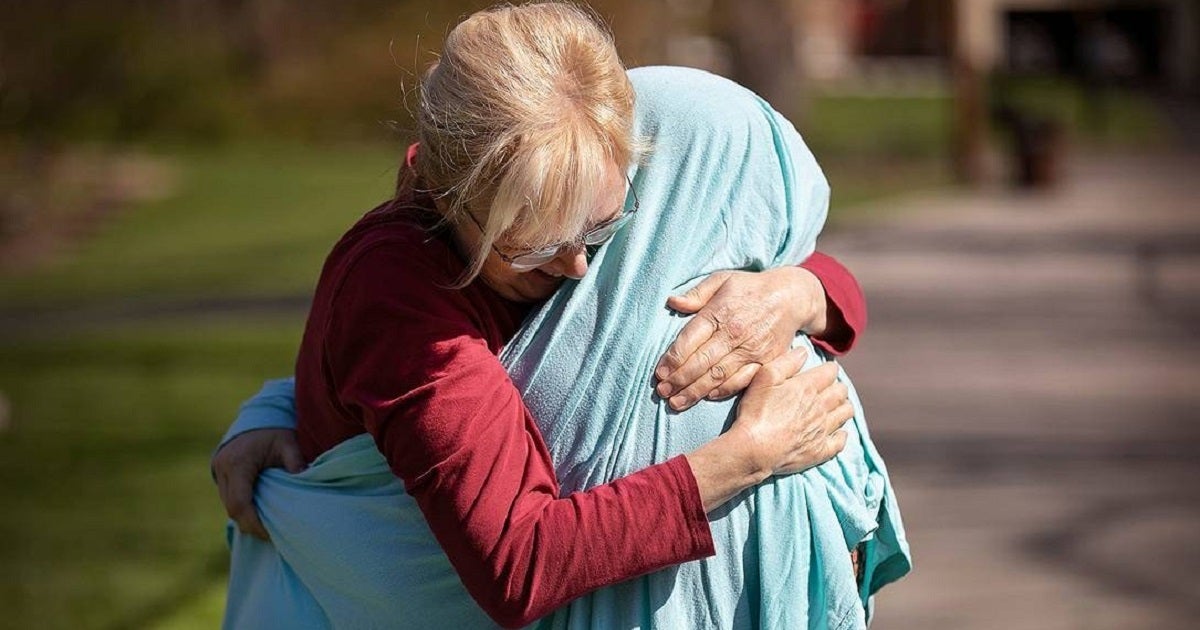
909,127
914,128
858,182
243,220
203,612
110,518
1116,118
874,147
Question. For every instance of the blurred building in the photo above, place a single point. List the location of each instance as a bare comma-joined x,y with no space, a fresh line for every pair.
1153,43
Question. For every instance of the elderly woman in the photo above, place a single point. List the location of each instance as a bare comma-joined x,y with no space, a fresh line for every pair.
429,471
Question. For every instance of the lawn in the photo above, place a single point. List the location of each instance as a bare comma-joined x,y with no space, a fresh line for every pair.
1112,118
898,127
248,220
110,518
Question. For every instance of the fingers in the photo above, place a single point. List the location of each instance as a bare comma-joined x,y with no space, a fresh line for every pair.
694,334
708,381
288,449
819,379
707,367
832,396
696,297
835,400
238,464
816,454
834,445
236,489
736,383
249,524
839,416
781,369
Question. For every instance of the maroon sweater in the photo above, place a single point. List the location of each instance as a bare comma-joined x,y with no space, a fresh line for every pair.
390,350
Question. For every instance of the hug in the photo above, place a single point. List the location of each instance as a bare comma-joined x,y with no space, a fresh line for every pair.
577,373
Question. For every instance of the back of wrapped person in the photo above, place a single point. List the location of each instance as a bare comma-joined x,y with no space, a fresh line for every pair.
727,184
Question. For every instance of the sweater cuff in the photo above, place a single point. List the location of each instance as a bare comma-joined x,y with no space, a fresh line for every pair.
695,518
846,309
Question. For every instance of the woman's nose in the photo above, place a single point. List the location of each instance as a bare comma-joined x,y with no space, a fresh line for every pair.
572,262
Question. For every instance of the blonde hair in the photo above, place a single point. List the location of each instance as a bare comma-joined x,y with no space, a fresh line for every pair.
519,120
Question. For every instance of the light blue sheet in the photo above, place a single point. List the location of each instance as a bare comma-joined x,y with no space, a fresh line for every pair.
728,184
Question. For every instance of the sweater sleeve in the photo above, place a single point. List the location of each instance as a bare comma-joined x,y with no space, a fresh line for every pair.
409,358
846,305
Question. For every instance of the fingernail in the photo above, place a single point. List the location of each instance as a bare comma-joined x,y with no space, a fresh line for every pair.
679,402
664,389
661,372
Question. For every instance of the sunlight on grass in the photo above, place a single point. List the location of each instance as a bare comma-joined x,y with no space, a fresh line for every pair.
897,127
244,220
1112,118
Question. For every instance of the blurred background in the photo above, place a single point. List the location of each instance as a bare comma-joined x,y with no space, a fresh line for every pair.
1014,183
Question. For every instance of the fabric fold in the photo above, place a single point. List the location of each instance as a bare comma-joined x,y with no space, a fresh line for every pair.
727,184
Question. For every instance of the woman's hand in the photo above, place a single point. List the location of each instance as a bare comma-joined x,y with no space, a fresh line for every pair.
237,465
794,418
743,320
787,421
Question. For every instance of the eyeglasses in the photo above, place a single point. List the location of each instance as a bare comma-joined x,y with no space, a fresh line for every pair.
594,237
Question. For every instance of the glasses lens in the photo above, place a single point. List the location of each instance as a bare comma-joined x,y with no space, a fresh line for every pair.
593,239
525,262
605,232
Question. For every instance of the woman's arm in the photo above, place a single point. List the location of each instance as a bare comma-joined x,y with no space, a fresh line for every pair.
430,390
745,319
263,436
410,359
238,462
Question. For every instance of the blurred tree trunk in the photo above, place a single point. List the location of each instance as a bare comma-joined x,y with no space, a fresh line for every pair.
969,91
762,36
266,36
642,29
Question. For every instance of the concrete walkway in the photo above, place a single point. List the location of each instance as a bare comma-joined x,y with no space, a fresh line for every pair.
1032,375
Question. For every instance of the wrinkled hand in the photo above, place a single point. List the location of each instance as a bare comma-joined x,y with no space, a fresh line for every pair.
237,465
743,320
794,418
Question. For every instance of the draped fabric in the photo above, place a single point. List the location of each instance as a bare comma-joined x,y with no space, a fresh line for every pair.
727,184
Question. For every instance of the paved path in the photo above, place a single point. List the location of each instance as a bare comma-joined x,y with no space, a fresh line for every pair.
1032,375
